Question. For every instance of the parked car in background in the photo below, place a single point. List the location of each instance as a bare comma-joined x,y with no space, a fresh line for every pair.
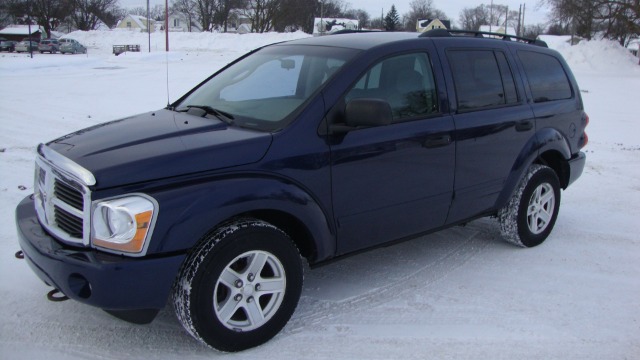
71,46
49,45
23,46
8,45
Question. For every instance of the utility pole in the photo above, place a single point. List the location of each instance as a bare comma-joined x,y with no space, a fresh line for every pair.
322,18
148,26
518,32
524,7
166,22
491,16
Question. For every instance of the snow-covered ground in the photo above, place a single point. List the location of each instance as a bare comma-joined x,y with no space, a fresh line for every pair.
459,294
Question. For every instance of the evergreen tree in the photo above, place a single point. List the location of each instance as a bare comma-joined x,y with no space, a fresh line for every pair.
392,20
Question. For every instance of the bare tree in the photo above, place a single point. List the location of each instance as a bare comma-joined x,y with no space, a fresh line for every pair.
615,19
187,8
87,14
296,15
262,13
206,10
419,10
473,18
46,13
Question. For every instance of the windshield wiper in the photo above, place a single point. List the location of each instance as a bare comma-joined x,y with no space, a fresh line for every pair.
222,115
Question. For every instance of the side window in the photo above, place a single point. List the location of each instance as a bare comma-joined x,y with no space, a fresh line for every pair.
546,76
482,79
406,82
510,93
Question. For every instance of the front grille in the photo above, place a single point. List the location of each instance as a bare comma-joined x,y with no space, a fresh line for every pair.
68,222
62,201
68,194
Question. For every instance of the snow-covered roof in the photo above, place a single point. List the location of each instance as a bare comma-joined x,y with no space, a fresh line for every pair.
140,21
330,25
21,30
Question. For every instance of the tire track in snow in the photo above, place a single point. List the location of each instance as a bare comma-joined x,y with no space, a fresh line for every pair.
454,247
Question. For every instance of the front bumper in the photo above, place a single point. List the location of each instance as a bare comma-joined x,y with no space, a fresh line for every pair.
111,282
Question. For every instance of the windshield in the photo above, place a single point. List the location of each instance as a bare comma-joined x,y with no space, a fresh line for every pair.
265,89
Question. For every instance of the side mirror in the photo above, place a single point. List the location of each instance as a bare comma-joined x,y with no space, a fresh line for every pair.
362,113
368,112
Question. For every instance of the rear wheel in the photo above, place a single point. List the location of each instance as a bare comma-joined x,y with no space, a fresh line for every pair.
529,217
240,286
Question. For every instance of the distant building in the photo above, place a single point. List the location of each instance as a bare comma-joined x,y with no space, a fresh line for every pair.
430,24
21,32
136,23
634,47
179,22
500,29
238,22
322,26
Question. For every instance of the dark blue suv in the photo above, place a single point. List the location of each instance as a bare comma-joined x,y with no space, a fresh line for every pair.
310,149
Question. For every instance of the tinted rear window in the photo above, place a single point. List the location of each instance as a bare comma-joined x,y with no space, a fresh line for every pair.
547,78
482,79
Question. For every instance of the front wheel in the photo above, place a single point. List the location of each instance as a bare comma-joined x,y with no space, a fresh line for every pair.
240,286
531,213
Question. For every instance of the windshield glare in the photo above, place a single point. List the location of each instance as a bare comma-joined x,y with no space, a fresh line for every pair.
266,88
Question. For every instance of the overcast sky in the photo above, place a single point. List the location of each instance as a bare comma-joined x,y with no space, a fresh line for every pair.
452,8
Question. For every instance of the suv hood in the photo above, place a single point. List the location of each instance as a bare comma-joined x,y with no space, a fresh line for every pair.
158,145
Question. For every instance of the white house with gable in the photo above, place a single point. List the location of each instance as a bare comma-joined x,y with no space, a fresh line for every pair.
136,23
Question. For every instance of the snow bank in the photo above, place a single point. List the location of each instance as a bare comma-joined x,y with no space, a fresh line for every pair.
604,56
103,41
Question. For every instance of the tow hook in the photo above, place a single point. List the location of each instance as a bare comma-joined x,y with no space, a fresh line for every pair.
19,255
56,295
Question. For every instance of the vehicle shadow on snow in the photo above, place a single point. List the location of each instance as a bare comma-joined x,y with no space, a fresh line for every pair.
367,279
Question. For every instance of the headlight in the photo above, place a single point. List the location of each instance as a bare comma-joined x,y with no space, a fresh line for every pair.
123,225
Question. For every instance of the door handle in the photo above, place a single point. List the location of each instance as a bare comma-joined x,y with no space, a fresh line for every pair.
437,141
524,125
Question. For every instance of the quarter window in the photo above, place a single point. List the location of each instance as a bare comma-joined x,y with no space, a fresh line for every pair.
547,79
482,79
406,82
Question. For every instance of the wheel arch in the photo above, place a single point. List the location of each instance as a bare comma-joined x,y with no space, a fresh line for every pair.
204,207
548,147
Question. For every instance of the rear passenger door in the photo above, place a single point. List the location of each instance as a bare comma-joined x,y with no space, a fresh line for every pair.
493,124
393,180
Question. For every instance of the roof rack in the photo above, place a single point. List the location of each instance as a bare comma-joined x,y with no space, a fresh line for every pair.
481,34
349,31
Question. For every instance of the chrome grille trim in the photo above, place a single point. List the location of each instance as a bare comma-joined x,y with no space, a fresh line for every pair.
62,199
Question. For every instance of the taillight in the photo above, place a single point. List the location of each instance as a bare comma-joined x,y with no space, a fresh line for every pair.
585,137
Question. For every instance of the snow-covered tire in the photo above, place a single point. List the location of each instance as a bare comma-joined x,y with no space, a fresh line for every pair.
240,285
530,214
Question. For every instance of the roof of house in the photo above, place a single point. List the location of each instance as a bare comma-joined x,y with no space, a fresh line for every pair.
21,30
140,21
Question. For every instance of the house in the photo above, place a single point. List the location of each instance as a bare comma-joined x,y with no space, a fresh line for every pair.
179,22
21,32
634,47
322,26
238,22
500,29
430,24
136,23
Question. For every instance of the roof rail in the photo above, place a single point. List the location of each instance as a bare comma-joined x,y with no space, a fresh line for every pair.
481,34
349,31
